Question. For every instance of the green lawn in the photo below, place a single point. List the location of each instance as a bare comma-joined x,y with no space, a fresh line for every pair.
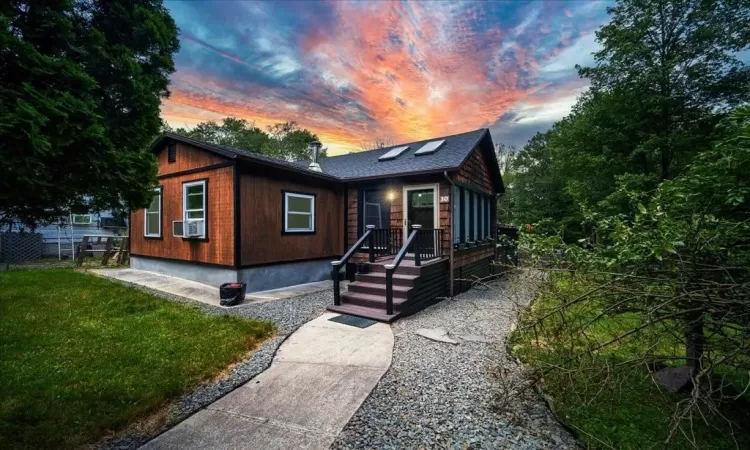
81,356
612,404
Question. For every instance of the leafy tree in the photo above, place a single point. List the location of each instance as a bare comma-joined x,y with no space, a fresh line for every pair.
666,75
232,132
283,140
677,59
505,155
537,191
290,142
79,103
680,262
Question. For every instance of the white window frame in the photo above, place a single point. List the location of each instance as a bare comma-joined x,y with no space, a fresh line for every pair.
185,211
146,213
287,195
74,216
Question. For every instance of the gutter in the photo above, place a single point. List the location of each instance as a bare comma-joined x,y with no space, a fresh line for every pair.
453,230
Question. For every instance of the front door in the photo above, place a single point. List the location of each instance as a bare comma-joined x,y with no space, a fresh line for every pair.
420,206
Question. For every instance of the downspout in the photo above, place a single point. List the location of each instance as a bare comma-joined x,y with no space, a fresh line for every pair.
453,230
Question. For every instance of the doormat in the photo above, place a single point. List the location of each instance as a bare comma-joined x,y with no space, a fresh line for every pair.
354,321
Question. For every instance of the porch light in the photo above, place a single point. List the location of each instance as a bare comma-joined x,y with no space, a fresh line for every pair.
391,196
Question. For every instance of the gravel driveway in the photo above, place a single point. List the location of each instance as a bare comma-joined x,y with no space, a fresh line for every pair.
442,395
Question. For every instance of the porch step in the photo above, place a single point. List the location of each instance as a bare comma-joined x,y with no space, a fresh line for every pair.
371,300
402,269
378,288
363,311
406,267
399,279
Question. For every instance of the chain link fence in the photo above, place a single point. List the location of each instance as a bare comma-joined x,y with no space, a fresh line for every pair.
55,246
26,249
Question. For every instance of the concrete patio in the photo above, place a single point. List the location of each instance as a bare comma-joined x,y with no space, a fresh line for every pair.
202,292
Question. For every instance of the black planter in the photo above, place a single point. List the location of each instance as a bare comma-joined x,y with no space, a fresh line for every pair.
363,268
232,293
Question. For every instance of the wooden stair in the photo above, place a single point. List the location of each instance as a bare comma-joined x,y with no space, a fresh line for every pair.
366,294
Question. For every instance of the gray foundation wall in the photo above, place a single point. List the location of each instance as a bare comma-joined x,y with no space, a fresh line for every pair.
260,278
263,278
213,276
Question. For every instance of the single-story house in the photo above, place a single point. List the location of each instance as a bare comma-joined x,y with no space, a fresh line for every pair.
224,214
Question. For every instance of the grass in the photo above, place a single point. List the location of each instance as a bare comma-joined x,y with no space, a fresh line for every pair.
609,403
81,356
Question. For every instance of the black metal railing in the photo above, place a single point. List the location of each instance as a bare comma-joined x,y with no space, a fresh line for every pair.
336,270
379,242
384,242
428,244
424,244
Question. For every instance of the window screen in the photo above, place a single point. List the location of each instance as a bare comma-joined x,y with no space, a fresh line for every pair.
194,203
376,209
299,213
152,216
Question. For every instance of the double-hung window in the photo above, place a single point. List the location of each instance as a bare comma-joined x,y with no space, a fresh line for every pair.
299,212
82,219
152,216
194,208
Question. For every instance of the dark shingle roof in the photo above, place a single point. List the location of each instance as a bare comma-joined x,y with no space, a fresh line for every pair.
238,153
365,165
362,165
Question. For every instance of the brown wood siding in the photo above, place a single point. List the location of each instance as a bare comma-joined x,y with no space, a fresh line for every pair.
261,222
445,217
188,157
464,276
476,172
219,248
352,218
397,210
471,255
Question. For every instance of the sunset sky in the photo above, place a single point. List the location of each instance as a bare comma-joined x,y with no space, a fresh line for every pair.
355,71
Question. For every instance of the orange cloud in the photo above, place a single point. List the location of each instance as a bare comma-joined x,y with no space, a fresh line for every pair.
397,70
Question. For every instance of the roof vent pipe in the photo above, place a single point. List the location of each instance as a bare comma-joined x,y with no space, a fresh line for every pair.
315,147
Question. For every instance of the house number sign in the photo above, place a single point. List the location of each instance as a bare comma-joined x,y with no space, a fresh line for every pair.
444,199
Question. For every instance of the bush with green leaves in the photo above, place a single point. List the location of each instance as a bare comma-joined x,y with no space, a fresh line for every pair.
673,276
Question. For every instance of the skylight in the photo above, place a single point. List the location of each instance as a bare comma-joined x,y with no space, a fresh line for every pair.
393,153
430,147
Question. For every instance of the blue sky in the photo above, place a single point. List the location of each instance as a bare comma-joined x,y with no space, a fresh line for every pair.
355,71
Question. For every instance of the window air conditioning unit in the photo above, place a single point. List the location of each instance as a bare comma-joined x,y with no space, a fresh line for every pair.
194,228
178,228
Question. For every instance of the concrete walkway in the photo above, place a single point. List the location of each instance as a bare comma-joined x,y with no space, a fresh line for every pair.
317,381
202,292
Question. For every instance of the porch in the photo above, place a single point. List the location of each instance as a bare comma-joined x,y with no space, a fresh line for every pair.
396,279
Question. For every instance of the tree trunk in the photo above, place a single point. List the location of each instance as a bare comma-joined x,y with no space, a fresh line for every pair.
694,341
